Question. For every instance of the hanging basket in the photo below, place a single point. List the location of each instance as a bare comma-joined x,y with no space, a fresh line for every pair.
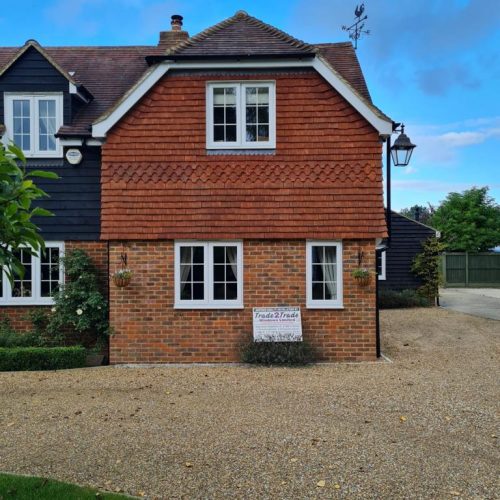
122,278
363,280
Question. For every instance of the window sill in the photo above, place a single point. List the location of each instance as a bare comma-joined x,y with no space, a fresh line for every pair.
325,306
208,306
16,303
246,151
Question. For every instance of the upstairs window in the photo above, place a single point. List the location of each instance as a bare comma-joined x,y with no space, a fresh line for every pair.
241,115
32,121
42,277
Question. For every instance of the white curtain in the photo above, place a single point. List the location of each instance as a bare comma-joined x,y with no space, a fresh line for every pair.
232,257
329,265
185,265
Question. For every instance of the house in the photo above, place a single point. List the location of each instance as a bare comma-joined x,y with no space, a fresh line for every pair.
395,261
235,169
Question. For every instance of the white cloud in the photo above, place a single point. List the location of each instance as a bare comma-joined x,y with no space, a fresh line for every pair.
441,144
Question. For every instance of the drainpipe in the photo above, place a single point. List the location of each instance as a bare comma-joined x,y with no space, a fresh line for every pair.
377,314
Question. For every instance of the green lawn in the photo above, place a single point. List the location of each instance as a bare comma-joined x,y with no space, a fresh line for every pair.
37,488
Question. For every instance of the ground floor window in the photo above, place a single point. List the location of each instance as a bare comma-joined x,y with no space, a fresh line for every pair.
381,268
208,275
42,277
324,274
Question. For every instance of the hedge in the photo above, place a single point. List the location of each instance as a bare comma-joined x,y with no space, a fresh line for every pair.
41,358
278,353
392,299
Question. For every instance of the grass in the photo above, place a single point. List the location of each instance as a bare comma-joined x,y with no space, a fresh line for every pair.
37,488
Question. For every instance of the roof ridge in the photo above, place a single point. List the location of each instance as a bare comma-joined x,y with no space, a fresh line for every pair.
239,15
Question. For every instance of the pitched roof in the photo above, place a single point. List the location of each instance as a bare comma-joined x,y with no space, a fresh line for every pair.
241,35
109,72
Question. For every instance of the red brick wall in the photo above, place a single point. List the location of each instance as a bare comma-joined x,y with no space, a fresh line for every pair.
98,251
148,329
159,182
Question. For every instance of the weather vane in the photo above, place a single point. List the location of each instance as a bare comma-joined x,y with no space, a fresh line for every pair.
357,29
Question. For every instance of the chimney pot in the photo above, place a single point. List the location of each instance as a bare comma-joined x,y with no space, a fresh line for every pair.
176,22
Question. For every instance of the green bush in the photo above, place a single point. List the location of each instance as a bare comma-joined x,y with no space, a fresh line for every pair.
10,338
41,358
278,353
392,299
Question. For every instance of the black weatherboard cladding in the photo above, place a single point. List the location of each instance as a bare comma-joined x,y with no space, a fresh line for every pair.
75,197
407,237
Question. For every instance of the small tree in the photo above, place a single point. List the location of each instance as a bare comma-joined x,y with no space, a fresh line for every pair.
468,221
79,305
426,266
17,193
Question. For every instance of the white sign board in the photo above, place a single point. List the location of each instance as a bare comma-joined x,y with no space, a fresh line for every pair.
282,324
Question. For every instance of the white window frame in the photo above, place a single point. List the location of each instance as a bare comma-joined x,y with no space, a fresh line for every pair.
337,303
241,142
382,274
34,98
209,302
36,299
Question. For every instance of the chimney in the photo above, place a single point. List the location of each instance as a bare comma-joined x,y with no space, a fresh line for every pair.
169,39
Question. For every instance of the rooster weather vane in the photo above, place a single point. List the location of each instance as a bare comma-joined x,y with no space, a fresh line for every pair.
357,29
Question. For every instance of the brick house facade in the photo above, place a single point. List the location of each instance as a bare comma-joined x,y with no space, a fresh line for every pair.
241,170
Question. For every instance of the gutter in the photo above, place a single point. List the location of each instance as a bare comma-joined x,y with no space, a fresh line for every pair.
155,59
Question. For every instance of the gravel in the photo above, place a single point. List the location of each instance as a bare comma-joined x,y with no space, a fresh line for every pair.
421,426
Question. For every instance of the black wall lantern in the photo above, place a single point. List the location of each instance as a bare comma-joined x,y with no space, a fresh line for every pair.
402,149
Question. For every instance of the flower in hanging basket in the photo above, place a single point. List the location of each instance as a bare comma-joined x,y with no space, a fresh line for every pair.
122,277
362,276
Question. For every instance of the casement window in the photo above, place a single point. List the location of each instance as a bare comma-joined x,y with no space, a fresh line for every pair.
324,274
31,121
42,277
241,115
208,275
381,267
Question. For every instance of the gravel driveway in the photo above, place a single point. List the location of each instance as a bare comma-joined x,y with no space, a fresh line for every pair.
423,426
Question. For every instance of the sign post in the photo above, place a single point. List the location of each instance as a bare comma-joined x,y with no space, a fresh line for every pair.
277,324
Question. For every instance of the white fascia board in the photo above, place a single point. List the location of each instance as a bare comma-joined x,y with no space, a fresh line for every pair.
71,142
384,127
94,142
102,126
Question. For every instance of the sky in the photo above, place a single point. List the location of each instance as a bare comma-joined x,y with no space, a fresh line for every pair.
432,64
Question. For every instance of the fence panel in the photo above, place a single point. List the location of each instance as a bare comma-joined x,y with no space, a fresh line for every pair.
464,269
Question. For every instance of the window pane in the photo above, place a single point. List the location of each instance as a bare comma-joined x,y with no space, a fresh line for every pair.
251,133
49,265
317,274
231,133
219,96
219,255
230,95
263,95
251,115
198,271
21,123
251,95
186,274
230,273
219,133
317,255
231,291
219,272
263,115
22,287
46,124
198,291
330,290
198,253
219,115
263,133
186,292
219,291
231,115
317,291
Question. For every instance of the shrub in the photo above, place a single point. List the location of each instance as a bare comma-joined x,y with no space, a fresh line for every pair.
79,305
278,353
10,338
41,358
392,299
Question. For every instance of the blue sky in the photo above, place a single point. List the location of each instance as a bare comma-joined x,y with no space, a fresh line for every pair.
433,64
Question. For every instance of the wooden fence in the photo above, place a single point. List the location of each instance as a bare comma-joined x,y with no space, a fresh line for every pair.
471,269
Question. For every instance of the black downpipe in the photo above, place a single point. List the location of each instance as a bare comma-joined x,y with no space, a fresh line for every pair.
377,314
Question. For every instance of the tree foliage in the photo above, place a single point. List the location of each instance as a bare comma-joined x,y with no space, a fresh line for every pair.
468,221
420,213
426,266
17,194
